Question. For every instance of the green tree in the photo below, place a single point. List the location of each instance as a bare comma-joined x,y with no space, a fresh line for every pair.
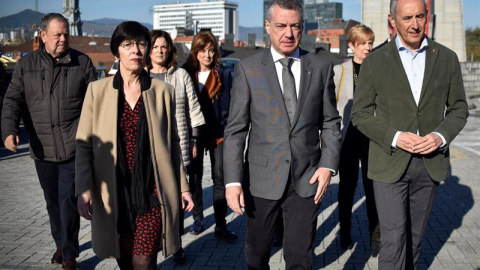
472,38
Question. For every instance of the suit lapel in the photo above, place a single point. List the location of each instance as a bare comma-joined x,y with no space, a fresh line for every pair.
393,57
430,59
305,78
272,80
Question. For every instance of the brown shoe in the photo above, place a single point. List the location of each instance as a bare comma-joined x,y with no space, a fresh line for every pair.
69,264
57,257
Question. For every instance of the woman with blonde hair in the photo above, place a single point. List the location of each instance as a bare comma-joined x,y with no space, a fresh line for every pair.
355,144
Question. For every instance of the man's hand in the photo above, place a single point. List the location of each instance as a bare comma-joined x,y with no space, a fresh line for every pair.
322,176
428,144
407,141
11,142
235,200
84,205
187,202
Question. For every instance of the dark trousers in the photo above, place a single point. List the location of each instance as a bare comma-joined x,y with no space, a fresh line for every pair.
299,221
57,180
195,173
404,208
354,149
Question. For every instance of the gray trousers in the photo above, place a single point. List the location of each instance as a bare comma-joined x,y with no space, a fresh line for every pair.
403,210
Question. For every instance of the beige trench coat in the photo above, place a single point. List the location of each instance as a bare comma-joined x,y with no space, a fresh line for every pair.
96,159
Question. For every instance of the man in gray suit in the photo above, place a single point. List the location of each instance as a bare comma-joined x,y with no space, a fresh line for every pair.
281,98
410,102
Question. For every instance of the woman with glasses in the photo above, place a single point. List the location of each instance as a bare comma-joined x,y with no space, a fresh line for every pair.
212,84
162,65
130,178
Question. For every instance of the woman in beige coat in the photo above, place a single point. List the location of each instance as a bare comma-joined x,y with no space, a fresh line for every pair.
130,179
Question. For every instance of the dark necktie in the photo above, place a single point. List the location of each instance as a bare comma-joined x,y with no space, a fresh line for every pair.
289,93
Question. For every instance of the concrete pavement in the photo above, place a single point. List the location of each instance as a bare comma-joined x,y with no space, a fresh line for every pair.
451,240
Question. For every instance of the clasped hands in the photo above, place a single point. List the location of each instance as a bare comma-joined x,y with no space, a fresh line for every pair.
416,144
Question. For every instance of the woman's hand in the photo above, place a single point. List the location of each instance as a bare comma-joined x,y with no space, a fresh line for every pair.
84,205
187,202
193,149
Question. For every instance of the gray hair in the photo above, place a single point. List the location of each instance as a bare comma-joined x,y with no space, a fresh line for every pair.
45,22
284,4
393,7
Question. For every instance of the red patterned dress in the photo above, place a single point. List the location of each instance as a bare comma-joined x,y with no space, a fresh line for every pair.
146,238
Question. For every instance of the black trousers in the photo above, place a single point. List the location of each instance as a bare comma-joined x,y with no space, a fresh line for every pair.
299,221
404,208
57,180
354,149
195,173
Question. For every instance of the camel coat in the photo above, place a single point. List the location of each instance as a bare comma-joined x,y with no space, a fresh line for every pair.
96,160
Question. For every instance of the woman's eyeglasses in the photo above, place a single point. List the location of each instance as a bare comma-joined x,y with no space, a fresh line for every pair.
129,45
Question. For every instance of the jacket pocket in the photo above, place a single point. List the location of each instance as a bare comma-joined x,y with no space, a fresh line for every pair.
260,160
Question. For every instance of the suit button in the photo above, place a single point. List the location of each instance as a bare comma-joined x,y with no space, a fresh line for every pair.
418,113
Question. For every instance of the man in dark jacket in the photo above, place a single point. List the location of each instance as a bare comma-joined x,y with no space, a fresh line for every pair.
47,91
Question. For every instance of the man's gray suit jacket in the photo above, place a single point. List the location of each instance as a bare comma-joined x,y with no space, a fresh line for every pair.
275,147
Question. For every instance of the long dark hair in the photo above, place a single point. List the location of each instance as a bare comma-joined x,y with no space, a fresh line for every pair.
202,39
172,51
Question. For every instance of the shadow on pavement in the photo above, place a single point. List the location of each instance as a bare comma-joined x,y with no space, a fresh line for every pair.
452,203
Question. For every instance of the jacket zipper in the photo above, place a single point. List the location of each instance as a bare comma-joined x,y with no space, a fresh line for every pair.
44,86
52,124
62,155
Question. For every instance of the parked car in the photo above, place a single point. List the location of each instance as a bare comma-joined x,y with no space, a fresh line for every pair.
229,63
113,69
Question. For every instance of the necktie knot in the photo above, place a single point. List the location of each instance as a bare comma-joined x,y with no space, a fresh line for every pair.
286,62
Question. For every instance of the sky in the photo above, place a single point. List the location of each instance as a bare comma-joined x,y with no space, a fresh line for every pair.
250,11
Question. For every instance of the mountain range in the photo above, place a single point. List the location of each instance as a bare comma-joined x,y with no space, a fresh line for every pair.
100,27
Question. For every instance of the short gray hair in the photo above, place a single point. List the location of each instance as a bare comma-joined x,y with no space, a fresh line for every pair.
393,7
284,4
45,22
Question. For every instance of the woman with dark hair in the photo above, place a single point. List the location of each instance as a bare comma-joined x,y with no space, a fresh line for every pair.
212,84
162,65
130,179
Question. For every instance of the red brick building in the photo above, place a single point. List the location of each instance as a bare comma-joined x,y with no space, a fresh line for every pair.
330,32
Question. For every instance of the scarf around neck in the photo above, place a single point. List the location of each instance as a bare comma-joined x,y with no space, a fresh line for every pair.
136,189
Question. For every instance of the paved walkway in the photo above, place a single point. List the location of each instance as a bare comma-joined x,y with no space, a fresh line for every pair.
451,240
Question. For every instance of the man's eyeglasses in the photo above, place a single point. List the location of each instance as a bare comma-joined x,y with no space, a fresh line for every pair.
129,45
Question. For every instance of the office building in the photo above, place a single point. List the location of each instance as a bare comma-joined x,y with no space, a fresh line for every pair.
319,12
221,17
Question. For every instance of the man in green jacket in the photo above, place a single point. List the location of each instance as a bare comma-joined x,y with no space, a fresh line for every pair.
410,102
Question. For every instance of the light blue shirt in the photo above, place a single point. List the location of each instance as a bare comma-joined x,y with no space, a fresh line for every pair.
413,63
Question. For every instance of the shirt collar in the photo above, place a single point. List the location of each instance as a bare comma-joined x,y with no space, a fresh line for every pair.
402,47
276,56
